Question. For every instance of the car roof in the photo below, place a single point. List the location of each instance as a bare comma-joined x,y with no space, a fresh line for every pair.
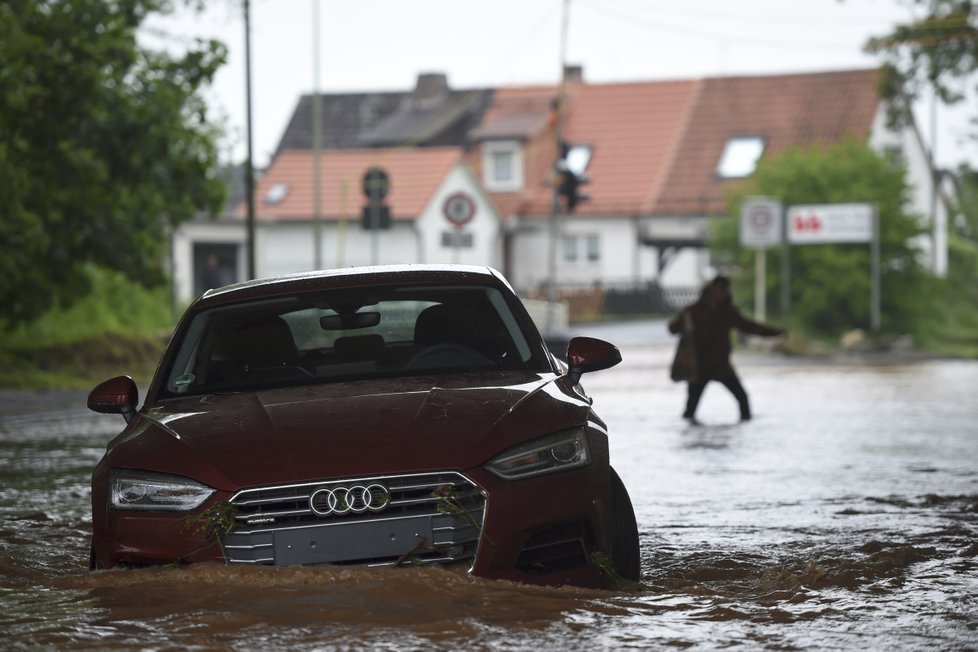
350,277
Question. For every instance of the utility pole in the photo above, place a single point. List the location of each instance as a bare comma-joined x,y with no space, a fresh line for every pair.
317,146
249,164
554,221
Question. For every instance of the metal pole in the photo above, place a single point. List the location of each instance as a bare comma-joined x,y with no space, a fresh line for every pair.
785,269
875,290
249,164
374,232
760,284
932,163
341,227
554,223
317,146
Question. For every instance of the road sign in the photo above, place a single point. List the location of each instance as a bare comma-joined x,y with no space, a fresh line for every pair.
760,222
459,209
830,223
376,184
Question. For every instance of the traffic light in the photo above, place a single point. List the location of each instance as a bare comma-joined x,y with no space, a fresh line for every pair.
570,168
570,189
375,216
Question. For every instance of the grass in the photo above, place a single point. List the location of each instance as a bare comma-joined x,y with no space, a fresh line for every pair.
121,328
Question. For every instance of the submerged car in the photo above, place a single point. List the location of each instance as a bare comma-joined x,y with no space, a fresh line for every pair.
392,416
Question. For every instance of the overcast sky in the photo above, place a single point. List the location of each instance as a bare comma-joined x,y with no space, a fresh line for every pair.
382,45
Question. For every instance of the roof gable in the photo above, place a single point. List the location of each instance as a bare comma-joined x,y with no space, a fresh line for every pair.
415,175
432,115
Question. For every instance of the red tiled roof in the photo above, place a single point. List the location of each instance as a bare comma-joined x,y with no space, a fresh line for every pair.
785,110
414,174
656,145
633,130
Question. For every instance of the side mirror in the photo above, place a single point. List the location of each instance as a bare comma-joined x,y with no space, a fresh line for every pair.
117,395
589,354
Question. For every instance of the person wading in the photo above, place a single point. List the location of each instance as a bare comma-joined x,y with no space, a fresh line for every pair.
711,319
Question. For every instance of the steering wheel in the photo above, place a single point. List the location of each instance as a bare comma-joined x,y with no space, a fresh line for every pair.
447,354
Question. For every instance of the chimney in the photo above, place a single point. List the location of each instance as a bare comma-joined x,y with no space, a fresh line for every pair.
431,89
574,74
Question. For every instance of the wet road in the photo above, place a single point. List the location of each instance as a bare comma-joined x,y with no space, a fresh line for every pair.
843,516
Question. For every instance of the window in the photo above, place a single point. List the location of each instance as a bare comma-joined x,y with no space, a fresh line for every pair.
577,158
739,157
580,249
336,335
502,166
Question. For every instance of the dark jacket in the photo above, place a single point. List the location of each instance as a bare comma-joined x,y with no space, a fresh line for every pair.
711,335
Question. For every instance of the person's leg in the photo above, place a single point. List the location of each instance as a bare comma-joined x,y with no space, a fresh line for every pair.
732,382
695,391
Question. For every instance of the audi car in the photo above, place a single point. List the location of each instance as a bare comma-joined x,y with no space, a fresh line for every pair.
387,416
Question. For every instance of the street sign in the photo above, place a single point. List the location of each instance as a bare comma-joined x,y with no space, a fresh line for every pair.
830,223
376,184
760,222
459,209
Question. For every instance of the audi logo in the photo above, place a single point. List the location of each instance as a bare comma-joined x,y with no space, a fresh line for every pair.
345,500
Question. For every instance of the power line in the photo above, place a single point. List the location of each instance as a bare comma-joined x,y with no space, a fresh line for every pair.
658,25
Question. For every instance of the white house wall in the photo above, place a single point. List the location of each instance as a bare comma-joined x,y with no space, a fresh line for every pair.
915,157
288,247
621,260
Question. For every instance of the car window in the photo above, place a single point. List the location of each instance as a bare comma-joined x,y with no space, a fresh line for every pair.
332,336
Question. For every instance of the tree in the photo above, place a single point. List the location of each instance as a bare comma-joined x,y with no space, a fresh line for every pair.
966,226
830,283
103,147
939,50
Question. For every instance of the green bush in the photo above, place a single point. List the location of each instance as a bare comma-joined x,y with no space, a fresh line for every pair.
830,284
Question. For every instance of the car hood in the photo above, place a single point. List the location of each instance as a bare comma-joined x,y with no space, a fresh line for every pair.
347,429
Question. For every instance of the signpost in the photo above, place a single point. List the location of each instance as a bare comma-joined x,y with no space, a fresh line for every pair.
459,209
760,228
376,215
830,223
839,224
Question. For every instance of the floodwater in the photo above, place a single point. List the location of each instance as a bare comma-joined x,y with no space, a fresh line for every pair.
843,516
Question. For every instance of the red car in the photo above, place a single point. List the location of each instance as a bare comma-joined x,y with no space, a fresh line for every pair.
382,416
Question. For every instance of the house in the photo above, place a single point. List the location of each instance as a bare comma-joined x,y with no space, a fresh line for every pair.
662,156
472,177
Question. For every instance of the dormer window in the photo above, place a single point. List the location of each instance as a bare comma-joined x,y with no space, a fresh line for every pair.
502,164
277,193
739,157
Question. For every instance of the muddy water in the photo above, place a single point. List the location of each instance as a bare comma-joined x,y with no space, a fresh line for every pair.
843,516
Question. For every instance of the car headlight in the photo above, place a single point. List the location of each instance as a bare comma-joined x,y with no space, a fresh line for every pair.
157,491
557,452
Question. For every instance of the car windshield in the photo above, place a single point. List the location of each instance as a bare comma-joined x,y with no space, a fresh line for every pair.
344,334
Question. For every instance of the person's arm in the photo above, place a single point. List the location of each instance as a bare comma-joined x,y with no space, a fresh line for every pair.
745,325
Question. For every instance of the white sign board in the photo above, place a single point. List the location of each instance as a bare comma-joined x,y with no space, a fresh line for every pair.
760,222
830,223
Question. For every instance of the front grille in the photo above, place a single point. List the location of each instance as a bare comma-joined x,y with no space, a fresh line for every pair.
419,518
